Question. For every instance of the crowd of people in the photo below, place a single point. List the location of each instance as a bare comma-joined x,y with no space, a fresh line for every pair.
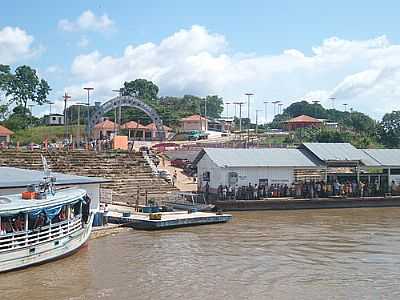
309,189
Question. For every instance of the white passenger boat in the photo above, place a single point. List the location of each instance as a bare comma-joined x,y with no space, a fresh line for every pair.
42,224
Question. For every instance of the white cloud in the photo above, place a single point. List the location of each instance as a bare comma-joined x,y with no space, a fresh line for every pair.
53,69
87,21
198,62
83,42
15,45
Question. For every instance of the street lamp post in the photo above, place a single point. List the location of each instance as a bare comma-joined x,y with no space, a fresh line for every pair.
248,115
275,103
333,101
227,109
266,111
240,114
345,106
88,89
78,133
257,110
280,108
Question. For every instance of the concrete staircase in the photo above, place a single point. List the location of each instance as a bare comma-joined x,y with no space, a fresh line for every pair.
129,172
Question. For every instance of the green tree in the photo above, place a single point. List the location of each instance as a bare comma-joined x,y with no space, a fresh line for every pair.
20,118
389,129
142,88
23,86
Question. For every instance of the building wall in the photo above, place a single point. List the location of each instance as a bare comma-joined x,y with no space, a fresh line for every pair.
195,125
246,175
4,138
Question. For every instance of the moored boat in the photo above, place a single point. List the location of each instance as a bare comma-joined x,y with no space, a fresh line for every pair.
41,224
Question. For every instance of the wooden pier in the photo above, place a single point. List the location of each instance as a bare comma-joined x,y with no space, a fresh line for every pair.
167,220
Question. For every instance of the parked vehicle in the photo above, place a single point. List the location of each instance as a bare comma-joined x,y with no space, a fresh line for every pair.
195,135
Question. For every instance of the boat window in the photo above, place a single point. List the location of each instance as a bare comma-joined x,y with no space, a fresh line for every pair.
10,224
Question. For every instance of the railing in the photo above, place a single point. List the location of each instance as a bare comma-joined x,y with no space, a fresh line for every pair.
19,240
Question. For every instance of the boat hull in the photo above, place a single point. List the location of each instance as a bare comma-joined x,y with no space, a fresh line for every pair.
46,251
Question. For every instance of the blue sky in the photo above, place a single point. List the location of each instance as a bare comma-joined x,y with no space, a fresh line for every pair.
224,47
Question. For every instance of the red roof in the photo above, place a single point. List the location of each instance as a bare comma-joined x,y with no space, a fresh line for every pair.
107,124
5,131
153,127
193,118
303,119
132,125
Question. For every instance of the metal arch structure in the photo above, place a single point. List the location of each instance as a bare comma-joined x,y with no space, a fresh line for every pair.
128,101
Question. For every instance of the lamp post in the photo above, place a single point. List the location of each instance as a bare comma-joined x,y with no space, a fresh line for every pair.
345,106
275,103
333,101
248,115
257,110
227,109
266,111
280,108
240,114
78,133
88,89
50,104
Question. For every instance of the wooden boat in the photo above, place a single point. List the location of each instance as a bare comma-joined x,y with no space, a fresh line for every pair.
42,224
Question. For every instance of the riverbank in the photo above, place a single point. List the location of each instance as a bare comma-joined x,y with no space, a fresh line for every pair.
320,203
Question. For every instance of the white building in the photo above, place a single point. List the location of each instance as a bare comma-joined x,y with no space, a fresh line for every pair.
54,119
243,166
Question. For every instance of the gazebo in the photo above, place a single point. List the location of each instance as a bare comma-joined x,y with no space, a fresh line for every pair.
134,127
302,121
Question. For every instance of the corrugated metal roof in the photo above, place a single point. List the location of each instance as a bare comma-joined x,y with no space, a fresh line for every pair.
385,157
15,178
335,151
271,157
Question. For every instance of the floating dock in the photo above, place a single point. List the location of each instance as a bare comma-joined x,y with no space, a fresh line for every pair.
320,203
168,219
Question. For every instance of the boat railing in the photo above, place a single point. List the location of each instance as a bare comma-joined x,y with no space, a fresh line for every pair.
18,240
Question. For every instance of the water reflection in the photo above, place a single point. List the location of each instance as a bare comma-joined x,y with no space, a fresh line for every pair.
314,254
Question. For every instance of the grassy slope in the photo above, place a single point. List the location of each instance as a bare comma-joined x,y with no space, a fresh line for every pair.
39,134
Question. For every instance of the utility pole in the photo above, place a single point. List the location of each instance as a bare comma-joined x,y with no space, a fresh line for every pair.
248,115
257,110
88,89
345,106
266,111
66,97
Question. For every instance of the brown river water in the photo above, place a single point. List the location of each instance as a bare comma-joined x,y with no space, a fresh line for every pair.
313,254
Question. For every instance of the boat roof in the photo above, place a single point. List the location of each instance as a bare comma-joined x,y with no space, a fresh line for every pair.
19,178
14,204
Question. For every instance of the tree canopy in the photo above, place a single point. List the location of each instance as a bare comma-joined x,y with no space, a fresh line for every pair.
22,87
389,129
